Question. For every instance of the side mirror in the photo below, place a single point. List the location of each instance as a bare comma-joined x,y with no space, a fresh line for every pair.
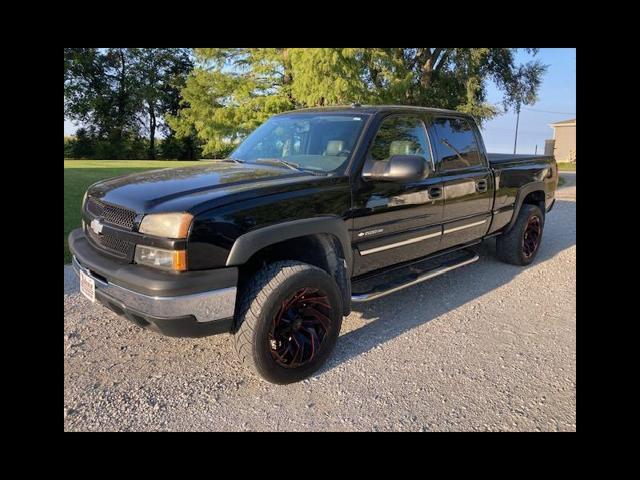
399,168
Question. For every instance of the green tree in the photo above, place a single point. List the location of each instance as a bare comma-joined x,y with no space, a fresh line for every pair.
184,148
122,94
231,91
99,92
159,75
83,145
453,78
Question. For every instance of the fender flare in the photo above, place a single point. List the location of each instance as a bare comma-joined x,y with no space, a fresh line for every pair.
251,242
522,194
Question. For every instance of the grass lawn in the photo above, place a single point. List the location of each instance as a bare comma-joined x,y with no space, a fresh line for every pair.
566,166
79,174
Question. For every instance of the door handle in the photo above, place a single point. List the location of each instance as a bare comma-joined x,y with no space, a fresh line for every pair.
481,185
435,192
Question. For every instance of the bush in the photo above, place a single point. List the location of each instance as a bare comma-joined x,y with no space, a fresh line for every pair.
123,149
172,147
68,147
222,152
86,144
81,145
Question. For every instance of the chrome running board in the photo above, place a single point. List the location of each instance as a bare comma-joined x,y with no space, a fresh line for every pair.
413,278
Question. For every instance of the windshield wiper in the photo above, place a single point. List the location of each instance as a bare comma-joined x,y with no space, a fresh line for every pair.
278,161
234,160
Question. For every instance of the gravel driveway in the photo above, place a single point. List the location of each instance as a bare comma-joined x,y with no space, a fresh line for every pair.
487,347
570,181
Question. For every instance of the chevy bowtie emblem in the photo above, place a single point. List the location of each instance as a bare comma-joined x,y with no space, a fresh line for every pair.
96,226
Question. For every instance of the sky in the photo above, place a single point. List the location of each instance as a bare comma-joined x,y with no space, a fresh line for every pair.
557,94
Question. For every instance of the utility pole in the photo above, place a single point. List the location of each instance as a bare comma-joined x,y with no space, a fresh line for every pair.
515,143
536,149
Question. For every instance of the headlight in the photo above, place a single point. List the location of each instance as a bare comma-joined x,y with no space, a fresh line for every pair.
161,258
170,225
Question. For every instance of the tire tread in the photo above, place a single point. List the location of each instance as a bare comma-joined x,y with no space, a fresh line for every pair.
508,245
252,302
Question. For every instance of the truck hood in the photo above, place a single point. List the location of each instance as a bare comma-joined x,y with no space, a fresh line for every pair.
186,188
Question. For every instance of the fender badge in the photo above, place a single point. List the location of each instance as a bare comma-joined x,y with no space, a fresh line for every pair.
371,232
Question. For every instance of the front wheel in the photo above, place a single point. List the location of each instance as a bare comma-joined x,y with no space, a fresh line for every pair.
289,318
520,245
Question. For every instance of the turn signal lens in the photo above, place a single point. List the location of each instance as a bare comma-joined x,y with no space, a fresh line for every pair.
180,260
175,260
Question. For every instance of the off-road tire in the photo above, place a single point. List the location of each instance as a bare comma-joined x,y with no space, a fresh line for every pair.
510,247
262,299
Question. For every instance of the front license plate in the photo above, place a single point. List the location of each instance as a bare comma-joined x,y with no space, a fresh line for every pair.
87,286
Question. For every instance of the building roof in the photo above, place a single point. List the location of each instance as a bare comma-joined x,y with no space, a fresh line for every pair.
562,123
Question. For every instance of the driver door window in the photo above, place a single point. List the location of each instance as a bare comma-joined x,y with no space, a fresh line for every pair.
400,135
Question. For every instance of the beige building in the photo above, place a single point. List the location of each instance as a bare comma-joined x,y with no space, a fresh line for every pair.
564,141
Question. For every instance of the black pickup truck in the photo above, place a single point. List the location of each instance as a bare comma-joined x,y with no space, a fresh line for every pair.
317,209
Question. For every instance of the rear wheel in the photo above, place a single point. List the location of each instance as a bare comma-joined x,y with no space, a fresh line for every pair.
521,244
288,321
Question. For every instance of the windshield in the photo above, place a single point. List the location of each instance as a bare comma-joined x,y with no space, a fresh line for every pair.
317,142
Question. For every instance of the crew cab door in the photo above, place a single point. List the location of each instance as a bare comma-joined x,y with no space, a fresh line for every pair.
396,221
467,179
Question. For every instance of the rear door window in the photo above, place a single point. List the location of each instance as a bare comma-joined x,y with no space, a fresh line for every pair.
457,145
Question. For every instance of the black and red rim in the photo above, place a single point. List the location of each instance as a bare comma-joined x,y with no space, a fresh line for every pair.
532,234
300,328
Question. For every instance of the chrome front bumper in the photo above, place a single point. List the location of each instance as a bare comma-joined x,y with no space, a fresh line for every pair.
206,307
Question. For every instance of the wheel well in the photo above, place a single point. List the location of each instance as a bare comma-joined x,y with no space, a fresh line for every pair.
322,250
535,198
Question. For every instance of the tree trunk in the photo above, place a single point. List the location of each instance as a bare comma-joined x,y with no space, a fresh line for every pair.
121,104
152,132
434,61
190,150
427,69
